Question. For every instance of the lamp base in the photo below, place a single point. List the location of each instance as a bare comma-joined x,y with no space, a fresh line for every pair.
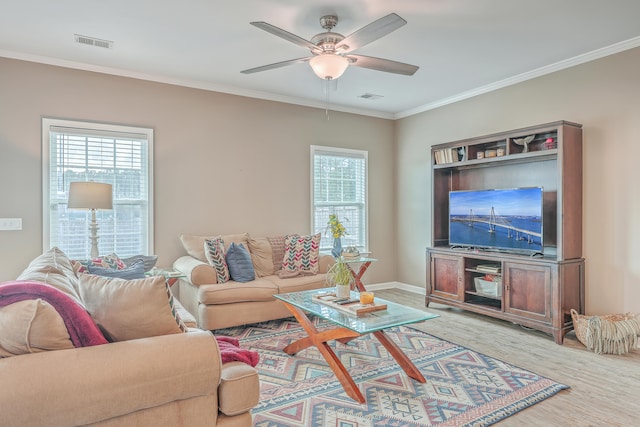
93,231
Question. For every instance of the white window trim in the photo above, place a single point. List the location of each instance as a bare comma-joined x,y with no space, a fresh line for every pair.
320,149
47,123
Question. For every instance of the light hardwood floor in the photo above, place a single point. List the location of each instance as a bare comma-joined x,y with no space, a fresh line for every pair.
605,389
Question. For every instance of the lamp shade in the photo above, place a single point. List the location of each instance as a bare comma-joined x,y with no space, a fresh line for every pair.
328,65
90,195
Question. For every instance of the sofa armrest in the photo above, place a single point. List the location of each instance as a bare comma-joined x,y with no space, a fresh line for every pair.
325,262
86,385
197,272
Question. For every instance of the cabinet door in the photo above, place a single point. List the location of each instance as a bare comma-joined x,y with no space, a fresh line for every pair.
527,290
445,276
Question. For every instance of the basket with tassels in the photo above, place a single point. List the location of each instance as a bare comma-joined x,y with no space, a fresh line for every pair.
609,334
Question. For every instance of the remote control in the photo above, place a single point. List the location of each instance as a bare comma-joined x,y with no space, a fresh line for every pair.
349,301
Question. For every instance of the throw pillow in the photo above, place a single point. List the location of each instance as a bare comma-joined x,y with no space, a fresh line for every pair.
262,256
131,309
54,268
148,260
194,245
31,326
239,263
37,317
108,261
134,271
301,255
277,248
214,251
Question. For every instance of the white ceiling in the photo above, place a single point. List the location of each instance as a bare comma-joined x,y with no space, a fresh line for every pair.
463,47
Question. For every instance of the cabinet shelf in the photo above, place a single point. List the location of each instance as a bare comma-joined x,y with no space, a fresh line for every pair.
483,295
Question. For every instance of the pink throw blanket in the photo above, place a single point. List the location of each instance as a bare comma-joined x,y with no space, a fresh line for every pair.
230,351
83,331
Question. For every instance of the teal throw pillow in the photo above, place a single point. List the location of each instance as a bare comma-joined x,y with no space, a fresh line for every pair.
239,263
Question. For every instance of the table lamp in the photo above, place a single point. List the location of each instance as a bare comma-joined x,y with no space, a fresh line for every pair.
91,195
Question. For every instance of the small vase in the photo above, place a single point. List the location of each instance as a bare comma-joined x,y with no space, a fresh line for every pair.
336,251
343,291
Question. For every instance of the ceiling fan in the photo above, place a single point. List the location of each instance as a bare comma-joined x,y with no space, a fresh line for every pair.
331,51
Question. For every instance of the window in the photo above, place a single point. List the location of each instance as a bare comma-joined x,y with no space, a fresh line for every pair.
117,155
339,186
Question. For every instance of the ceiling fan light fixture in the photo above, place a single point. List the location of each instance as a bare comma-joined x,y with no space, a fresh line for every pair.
328,65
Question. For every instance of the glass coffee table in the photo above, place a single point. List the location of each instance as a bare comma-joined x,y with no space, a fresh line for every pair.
348,327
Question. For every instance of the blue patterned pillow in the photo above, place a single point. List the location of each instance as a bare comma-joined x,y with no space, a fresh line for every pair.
214,252
134,271
239,263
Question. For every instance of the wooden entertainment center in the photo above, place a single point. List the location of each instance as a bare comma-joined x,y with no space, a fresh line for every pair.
536,291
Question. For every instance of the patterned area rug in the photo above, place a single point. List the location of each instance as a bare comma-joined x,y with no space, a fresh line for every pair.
463,388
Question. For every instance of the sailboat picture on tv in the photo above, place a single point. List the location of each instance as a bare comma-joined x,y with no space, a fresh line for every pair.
501,219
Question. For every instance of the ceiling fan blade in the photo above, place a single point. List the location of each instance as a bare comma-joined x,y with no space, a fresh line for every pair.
276,65
380,64
371,32
286,35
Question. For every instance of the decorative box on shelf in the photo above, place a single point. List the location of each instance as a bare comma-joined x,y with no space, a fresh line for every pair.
488,287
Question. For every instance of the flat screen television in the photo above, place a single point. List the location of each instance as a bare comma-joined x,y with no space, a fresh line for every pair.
500,219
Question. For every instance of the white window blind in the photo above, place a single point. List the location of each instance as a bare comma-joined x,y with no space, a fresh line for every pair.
339,186
117,155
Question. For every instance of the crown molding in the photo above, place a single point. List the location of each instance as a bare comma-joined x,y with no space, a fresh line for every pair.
231,90
538,72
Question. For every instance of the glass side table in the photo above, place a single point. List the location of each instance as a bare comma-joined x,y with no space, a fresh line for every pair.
357,275
171,276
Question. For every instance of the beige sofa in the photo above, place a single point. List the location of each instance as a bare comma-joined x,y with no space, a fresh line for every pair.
222,305
172,379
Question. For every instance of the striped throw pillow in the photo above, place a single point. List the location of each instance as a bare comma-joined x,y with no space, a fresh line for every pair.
214,251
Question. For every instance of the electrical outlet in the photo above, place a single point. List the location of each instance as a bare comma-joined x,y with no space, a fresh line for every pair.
9,224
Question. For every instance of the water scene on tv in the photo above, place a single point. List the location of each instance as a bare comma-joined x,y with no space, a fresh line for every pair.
508,219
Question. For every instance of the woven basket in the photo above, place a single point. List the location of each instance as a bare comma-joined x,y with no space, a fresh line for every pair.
611,333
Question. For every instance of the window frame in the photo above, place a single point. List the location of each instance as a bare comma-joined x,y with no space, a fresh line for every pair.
341,152
100,129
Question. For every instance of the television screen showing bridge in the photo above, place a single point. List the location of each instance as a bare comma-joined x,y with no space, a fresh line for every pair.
504,219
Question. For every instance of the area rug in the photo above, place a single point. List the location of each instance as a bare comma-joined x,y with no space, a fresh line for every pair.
463,388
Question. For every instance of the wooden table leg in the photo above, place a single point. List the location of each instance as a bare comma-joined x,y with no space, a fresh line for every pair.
358,276
319,339
403,360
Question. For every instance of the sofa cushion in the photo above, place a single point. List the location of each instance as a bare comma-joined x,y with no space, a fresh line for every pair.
130,272
214,251
31,326
53,268
130,309
300,255
298,283
194,245
239,262
233,292
277,250
262,256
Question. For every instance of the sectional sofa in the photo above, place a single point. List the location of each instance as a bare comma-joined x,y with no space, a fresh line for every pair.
59,369
217,304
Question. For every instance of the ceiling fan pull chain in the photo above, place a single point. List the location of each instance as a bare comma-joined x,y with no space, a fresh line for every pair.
325,86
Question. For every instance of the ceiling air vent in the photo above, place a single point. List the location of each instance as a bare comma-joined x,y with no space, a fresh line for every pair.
92,41
370,96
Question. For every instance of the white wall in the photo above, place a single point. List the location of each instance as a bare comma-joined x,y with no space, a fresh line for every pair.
223,163
603,96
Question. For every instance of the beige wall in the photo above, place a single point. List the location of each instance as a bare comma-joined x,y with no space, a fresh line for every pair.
603,96
223,163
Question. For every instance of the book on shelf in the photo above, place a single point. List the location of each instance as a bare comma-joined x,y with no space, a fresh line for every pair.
446,155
